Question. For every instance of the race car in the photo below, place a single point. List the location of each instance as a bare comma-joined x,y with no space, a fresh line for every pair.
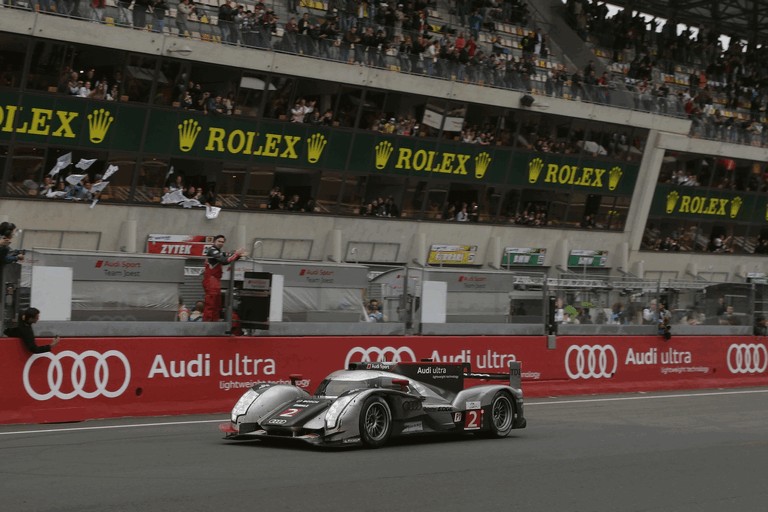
372,402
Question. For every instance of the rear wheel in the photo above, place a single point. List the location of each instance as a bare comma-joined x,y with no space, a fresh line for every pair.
375,422
502,415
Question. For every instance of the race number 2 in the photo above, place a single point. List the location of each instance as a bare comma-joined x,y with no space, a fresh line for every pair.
473,420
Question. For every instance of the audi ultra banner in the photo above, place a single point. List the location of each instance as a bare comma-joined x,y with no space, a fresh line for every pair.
88,378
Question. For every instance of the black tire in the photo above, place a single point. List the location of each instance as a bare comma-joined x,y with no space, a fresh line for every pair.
375,422
502,415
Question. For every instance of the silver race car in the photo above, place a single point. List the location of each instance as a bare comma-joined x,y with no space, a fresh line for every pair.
369,403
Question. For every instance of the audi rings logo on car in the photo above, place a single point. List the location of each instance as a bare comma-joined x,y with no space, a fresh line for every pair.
747,358
591,361
379,355
84,380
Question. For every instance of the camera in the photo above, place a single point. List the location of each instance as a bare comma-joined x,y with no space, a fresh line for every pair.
18,252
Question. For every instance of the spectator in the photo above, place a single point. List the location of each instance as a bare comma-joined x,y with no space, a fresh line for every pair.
374,313
159,11
650,314
761,326
140,14
559,315
8,255
123,12
26,334
183,10
663,321
463,215
197,314
617,314
729,317
183,313
97,10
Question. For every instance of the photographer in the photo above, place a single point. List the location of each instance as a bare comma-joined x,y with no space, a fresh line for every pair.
8,255
373,312
25,332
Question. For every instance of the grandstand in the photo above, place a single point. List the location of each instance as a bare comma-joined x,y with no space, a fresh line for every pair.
370,150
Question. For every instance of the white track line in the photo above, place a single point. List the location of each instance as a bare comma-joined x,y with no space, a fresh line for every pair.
527,404
654,397
105,427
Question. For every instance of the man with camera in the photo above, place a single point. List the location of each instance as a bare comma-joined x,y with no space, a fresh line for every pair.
8,255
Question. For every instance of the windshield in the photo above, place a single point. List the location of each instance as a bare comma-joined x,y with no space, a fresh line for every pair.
335,388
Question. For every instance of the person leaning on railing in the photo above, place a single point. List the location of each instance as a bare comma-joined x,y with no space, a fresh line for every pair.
26,334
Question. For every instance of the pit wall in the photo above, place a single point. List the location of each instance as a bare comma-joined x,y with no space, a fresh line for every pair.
89,378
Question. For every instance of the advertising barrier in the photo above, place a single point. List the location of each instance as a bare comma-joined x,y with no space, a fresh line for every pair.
88,378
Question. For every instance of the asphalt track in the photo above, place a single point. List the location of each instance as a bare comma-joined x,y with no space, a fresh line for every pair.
687,451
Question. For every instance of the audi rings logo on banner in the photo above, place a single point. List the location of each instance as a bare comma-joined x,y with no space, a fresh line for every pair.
84,380
591,361
379,355
747,358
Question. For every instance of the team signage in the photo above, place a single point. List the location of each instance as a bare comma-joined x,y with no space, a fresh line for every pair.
317,276
473,281
190,246
524,256
440,254
115,266
587,258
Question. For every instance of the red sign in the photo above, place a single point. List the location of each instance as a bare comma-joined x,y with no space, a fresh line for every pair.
87,378
179,245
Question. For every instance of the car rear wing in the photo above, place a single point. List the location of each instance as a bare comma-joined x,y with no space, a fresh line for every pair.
514,375
434,372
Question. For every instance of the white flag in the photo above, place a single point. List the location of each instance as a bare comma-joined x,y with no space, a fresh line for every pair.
112,169
211,212
189,203
61,163
84,164
64,160
55,170
175,197
98,187
170,171
53,194
74,179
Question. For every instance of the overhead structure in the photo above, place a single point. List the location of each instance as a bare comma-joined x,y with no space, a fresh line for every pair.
729,17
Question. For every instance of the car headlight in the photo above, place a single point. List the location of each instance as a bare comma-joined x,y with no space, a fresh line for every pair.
335,410
242,405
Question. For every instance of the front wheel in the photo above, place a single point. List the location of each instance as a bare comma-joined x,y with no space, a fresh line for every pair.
375,422
502,415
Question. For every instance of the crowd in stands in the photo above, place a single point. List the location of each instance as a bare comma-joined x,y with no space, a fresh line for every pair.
177,192
721,90
380,207
724,96
74,187
685,238
277,201
723,177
